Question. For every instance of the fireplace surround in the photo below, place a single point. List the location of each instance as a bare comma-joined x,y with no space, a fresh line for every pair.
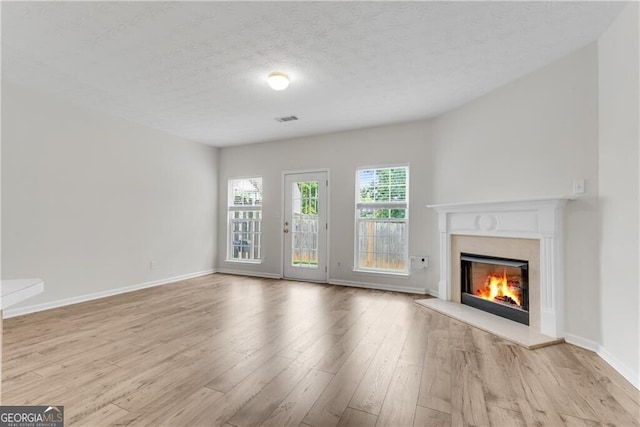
529,229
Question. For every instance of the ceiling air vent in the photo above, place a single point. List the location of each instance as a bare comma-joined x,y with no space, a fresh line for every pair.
286,119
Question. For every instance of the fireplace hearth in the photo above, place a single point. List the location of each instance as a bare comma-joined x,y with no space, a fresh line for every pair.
496,285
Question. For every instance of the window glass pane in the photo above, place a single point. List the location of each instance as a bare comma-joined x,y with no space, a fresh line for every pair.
366,213
366,260
397,193
381,261
397,213
397,262
245,192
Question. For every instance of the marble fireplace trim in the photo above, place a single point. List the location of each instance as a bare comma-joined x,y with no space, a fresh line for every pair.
537,219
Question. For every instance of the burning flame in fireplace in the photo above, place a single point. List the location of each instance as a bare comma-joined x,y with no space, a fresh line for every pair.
498,288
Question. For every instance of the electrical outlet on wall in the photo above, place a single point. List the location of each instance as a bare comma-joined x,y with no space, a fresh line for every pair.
419,262
153,265
578,186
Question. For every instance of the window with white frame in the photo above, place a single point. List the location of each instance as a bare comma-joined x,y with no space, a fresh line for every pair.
382,218
245,219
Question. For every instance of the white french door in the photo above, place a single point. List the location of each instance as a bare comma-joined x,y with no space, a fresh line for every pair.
305,226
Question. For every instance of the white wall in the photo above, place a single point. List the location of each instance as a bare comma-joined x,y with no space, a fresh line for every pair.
620,192
341,153
531,138
88,200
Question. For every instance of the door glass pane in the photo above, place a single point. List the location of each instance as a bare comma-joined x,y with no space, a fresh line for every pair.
304,227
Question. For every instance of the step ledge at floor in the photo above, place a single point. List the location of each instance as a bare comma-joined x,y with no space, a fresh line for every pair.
507,329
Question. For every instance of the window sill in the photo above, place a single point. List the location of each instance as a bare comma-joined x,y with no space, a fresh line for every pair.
244,261
385,273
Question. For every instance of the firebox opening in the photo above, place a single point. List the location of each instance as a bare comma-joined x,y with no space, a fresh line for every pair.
497,285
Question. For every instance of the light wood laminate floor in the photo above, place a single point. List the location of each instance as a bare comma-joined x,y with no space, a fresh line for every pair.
237,351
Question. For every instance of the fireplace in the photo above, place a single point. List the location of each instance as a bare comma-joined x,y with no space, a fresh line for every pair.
526,229
496,285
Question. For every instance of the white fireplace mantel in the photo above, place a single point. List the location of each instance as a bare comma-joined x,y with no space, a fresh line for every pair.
540,218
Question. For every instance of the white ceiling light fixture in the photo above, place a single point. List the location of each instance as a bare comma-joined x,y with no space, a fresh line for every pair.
278,80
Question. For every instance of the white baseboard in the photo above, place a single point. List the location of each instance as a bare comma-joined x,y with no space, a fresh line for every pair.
625,371
406,289
433,292
582,342
102,294
248,273
365,285
629,374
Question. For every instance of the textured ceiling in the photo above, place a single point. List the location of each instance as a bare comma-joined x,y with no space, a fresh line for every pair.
198,69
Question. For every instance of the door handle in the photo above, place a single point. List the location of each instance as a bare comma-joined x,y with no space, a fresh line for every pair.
286,230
